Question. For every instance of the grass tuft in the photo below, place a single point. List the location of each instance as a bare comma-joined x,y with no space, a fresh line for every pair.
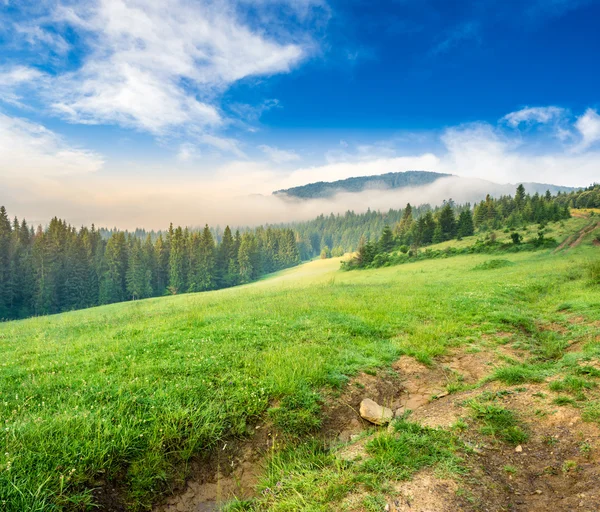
498,422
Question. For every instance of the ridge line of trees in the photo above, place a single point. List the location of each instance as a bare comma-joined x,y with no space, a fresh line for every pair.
60,268
410,234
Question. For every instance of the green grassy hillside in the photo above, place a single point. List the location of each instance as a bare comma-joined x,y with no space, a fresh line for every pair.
129,392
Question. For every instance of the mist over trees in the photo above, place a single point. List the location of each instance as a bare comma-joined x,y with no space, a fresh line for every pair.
343,233
61,268
452,222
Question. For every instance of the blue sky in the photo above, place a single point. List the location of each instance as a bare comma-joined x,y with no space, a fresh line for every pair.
122,104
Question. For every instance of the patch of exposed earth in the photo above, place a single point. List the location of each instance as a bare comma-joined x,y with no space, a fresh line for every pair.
557,469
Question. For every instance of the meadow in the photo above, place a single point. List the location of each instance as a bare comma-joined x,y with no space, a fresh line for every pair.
131,392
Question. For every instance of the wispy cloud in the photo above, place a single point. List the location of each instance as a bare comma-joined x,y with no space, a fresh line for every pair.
156,66
224,144
531,115
28,149
588,126
468,31
279,156
13,81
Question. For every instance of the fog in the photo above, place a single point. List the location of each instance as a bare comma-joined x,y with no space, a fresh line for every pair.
193,204
41,177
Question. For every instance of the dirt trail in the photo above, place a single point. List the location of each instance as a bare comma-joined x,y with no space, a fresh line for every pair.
557,469
553,471
575,239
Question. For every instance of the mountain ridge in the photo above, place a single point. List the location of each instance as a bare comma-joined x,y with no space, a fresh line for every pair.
398,180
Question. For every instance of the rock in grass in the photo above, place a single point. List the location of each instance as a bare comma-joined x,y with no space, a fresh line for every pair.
375,413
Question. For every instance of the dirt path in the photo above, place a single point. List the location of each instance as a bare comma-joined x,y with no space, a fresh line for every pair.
575,239
557,469
585,231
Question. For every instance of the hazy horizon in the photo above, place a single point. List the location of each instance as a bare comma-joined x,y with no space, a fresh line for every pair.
135,113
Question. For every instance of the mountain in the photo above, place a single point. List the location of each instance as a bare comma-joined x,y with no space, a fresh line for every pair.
391,180
399,180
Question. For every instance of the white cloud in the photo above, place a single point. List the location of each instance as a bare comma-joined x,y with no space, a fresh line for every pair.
463,32
238,192
227,145
279,156
187,153
28,150
18,75
530,115
159,65
13,78
588,126
484,151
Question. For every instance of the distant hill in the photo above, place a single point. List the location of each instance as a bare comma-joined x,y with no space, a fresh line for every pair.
541,188
390,180
398,180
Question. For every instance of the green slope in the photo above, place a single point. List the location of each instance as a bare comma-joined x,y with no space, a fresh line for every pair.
128,392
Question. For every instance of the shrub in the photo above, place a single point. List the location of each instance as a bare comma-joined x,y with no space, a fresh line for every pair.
492,264
516,238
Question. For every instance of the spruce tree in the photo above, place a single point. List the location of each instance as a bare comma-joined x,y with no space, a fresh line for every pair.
177,263
5,243
207,261
447,222
113,284
139,275
227,260
386,242
465,224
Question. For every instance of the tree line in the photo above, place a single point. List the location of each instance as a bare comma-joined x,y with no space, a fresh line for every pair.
335,235
453,221
61,268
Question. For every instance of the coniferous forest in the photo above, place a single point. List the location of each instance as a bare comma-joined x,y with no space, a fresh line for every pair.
60,268
338,234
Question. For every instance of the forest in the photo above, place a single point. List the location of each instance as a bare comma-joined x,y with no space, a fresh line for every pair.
60,268
390,180
507,212
338,234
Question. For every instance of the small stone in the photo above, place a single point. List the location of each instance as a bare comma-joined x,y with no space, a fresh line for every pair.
519,449
375,413
399,412
537,491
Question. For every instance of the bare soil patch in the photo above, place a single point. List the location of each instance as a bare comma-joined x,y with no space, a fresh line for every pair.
557,469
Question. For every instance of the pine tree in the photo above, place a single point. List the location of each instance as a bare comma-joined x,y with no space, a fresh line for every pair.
207,263
77,274
150,260
139,275
177,263
386,242
520,197
447,222
227,261
465,224
162,266
5,243
113,284
429,228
